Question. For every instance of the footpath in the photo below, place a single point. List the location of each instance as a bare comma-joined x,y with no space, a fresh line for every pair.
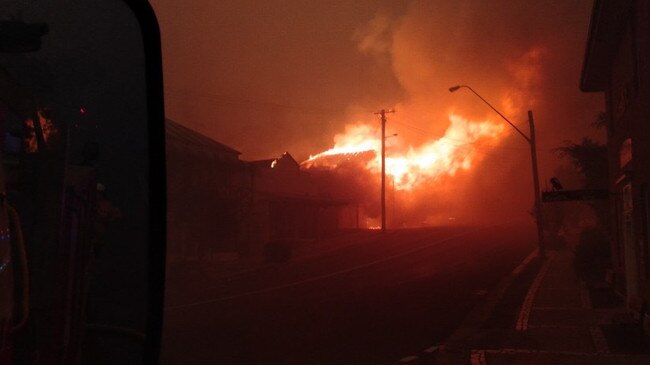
544,314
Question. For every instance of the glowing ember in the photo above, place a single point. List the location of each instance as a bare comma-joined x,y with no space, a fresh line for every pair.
456,150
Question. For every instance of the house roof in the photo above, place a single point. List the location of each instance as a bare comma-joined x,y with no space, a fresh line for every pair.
608,19
287,160
177,133
262,163
284,161
340,159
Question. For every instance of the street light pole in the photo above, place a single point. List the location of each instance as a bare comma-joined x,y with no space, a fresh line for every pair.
383,170
538,201
533,155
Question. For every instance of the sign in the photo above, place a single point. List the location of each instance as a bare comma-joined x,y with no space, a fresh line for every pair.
572,195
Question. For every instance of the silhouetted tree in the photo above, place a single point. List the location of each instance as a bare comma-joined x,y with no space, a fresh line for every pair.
590,159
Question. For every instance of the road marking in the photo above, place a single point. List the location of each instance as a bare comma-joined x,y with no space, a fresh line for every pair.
511,351
557,326
408,359
524,313
480,314
324,276
432,349
525,263
480,292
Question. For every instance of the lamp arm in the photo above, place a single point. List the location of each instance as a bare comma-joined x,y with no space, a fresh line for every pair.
501,115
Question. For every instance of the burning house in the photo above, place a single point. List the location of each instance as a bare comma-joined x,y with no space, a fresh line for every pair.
288,203
344,175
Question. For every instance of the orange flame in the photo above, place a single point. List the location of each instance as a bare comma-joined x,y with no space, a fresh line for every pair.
456,150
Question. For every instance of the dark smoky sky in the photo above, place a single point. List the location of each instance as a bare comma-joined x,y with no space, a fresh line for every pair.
274,76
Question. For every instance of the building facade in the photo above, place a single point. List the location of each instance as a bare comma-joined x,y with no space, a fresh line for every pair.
221,205
616,63
207,190
288,203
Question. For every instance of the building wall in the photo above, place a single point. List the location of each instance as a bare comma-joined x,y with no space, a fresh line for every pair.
203,206
628,109
288,204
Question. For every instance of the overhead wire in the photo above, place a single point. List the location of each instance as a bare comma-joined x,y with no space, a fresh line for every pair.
238,100
424,133
486,154
470,149
459,142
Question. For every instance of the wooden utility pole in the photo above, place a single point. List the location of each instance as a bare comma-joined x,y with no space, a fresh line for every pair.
382,113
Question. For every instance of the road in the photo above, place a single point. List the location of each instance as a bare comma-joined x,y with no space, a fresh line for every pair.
373,300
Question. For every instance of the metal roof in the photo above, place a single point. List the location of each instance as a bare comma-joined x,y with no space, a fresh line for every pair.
177,133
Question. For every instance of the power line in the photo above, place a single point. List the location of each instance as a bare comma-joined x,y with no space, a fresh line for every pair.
424,132
238,100
461,142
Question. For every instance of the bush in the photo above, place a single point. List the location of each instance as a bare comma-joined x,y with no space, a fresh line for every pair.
278,251
592,256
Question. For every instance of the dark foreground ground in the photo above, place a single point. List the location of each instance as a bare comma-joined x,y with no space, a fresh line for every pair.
358,299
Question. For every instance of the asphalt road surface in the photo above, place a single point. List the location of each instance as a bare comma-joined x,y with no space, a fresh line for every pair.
372,299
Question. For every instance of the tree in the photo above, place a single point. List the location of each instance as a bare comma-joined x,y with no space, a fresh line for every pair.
590,159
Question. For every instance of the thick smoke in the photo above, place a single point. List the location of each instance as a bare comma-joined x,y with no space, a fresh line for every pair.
516,65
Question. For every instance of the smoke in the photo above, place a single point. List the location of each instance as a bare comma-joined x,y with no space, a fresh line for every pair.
374,38
514,56
289,76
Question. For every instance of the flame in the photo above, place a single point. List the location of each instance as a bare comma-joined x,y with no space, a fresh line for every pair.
357,138
456,150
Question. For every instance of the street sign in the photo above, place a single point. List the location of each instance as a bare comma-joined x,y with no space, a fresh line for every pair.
571,195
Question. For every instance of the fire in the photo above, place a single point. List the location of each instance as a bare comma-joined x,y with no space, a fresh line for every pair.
357,138
456,150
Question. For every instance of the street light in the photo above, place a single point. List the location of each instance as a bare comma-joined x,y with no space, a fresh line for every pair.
533,155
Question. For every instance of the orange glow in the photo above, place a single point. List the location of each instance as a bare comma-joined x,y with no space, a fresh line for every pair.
413,166
48,128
